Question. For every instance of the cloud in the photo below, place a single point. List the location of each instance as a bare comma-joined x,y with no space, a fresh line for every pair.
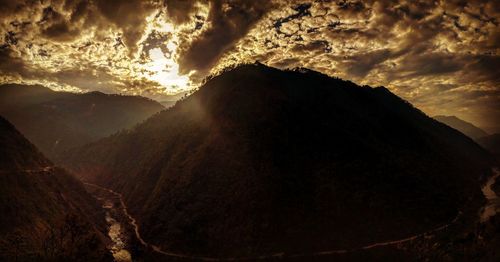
55,26
361,64
10,64
426,51
180,11
443,56
129,16
228,21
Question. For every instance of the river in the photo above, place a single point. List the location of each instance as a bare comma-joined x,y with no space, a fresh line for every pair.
117,232
493,200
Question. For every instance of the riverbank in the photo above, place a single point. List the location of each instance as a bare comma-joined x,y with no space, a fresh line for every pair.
475,237
150,252
119,232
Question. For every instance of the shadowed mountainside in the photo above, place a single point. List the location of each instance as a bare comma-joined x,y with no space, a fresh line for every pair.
491,143
466,128
260,160
46,214
57,121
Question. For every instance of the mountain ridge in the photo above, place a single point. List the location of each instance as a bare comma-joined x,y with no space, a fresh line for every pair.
282,160
56,121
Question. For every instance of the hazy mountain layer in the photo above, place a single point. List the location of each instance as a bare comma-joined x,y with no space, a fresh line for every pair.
466,128
57,121
261,161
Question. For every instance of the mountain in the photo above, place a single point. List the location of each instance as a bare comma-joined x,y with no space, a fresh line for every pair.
263,161
466,128
491,143
57,121
46,214
170,100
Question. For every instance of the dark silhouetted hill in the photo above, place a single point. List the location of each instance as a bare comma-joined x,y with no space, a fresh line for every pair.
46,214
57,121
466,128
260,160
491,143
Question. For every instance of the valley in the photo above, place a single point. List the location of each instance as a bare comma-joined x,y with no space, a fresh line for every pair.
118,230
124,228
266,169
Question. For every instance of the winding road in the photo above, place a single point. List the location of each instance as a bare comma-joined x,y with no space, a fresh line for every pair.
158,250
38,170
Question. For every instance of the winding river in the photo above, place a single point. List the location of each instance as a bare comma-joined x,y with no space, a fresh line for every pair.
493,200
116,231
117,234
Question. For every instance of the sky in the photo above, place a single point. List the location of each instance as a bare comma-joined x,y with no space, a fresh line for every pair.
442,56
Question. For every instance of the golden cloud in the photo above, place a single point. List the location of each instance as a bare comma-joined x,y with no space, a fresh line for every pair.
443,56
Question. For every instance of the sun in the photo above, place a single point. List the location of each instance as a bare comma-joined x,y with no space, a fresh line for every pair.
162,67
165,71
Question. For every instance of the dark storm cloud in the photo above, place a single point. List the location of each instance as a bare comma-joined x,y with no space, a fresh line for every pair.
228,21
60,31
301,10
430,64
156,40
313,46
360,65
79,9
484,68
66,20
129,16
180,11
10,64
10,7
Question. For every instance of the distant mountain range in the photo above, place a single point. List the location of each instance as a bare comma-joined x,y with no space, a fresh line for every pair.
170,100
261,160
57,121
46,214
465,127
489,142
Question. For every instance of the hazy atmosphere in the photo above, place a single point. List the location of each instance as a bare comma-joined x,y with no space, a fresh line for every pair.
443,56
245,130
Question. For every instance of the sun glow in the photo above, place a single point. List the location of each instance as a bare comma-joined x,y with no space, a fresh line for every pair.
162,67
164,70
